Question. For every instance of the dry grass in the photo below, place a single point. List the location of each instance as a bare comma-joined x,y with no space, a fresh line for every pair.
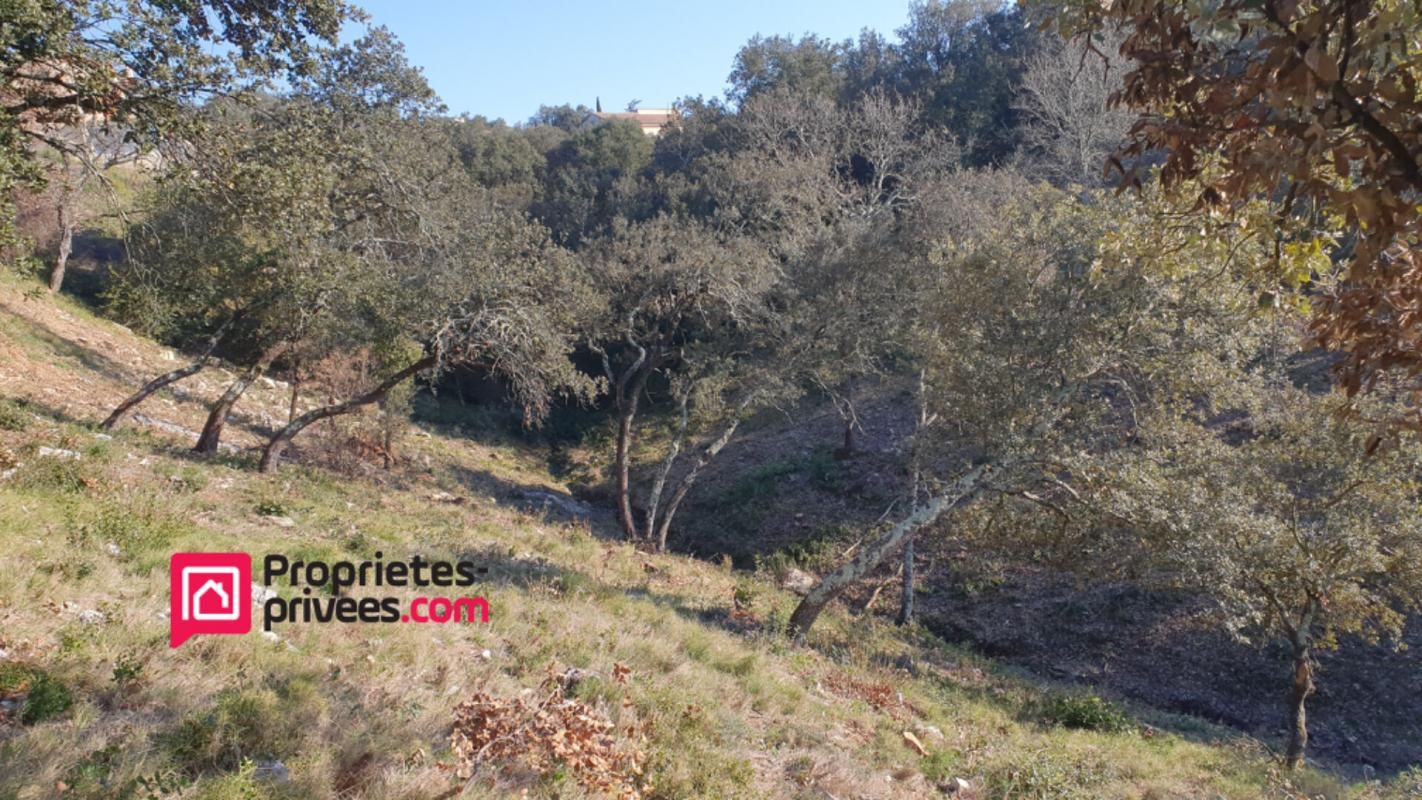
728,708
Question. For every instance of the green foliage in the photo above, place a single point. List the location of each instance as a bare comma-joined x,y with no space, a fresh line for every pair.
65,475
13,416
44,697
245,724
1047,776
128,668
1085,712
271,508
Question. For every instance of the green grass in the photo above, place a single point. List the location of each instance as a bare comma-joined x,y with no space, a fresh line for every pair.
364,711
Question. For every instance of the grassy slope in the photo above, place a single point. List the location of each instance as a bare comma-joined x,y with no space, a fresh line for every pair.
365,710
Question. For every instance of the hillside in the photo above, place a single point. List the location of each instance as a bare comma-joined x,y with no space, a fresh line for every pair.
683,652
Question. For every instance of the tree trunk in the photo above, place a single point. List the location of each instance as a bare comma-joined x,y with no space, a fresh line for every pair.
66,246
874,554
211,434
1298,696
684,485
295,392
920,425
169,377
906,600
627,416
654,497
271,454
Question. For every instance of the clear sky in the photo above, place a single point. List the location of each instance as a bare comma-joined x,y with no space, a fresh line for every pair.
505,58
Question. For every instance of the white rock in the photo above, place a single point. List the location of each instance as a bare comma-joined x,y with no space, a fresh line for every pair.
92,616
7,474
261,594
113,549
930,732
798,581
273,770
103,437
486,655
271,636
281,522
56,452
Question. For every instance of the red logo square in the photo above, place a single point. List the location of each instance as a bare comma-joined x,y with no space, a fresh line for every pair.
208,593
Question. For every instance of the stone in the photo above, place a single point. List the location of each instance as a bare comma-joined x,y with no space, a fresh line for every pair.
798,581
271,770
60,453
559,502
930,732
280,521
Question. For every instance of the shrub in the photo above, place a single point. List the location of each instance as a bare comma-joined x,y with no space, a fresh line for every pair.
1085,712
55,474
245,724
13,416
44,697
271,508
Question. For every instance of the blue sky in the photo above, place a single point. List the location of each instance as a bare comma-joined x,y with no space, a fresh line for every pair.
505,58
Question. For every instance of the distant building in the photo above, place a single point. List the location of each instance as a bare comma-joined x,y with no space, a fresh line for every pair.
651,120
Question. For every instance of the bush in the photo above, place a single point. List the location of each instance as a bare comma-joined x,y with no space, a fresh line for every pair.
44,697
1085,712
55,474
13,416
271,508
245,724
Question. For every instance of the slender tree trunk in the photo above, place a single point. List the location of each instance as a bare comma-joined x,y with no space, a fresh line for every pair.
684,485
295,392
654,497
271,454
906,599
874,554
211,434
168,378
1299,693
66,246
627,416
850,419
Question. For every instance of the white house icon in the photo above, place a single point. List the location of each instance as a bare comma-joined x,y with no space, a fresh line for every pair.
211,586
218,580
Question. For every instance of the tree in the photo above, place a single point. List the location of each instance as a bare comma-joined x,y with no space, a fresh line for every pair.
1294,520
809,67
139,65
678,293
295,213
1069,127
1312,105
1040,324
962,61
587,179
491,290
